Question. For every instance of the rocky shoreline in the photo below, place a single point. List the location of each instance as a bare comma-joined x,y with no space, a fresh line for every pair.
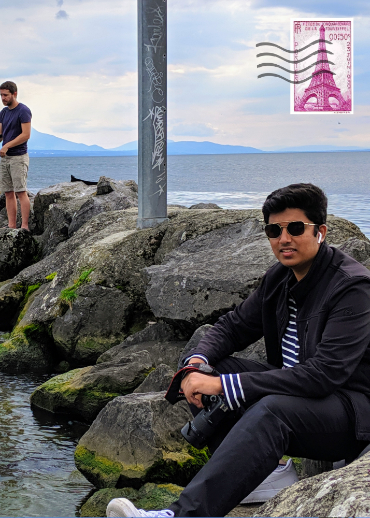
111,308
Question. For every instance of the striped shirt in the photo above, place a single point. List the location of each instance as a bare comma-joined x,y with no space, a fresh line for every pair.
290,344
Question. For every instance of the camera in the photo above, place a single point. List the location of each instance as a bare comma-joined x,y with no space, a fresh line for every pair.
198,431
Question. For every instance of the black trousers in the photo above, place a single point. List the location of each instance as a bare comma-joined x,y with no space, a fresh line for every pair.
248,445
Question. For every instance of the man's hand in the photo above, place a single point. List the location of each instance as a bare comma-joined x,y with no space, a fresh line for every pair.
3,151
194,385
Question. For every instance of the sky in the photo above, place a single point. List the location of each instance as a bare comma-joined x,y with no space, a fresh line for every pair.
75,64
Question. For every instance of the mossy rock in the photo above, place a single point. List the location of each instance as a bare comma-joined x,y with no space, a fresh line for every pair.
136,439
85,391
60,395
150,496
26,350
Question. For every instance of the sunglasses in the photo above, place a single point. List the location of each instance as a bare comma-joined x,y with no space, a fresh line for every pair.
294,228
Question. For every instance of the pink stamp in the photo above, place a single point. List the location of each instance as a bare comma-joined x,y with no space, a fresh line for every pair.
323,66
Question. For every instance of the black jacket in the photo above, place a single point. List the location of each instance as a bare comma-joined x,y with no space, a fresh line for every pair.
333,323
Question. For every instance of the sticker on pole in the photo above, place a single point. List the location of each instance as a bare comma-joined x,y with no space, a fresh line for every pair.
323,66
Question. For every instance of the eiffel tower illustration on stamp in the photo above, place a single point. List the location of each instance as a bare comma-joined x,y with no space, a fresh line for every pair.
330,89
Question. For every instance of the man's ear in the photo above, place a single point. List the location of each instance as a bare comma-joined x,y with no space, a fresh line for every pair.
322,233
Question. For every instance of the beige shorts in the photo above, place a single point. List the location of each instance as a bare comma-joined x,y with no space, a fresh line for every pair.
13,173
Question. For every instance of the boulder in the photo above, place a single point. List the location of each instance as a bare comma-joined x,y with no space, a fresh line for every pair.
149,496
157,380
84,392
96,321
110,196
340,229
205,206
18,250
342,492
358,249
69,197
60,210
209,275
160,352
136,439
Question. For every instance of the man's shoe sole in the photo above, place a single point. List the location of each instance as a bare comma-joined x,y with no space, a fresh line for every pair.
119,507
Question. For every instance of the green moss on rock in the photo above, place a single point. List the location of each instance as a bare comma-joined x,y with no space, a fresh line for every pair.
177,471
150,496
50,277
105,471
63,394
68,295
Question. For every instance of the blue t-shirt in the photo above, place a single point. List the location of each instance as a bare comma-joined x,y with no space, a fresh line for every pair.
12,127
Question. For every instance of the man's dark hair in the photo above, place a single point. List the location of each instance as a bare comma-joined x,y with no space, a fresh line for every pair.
305,196
9,85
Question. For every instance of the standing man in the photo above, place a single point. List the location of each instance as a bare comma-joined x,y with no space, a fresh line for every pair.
15,130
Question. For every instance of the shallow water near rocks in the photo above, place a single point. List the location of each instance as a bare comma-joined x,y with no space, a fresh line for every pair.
37,472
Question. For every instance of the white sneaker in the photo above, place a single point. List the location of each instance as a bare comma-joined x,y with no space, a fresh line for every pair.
119,507
281,477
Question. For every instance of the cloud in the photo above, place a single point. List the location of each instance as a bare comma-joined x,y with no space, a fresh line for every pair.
334,7
189,129
21,20
60,3
61,15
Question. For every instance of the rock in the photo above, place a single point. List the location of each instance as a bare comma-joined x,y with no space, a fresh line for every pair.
342,492
69,198
158,331
56,223
84,392
209,275
18,250
160,352
150,496
106,200
194,341
357,248
95,322
157,381
340,229
205,206
136,439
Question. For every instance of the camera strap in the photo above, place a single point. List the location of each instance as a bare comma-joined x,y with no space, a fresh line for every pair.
174,392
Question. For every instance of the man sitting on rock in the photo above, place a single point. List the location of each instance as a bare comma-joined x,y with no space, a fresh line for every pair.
312,398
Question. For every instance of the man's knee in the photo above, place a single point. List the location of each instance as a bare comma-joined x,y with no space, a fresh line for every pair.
276,404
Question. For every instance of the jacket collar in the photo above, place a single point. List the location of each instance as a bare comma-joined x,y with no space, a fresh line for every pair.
320,263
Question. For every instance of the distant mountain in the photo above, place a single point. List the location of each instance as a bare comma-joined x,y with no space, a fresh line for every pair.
43,142
190,147
317,149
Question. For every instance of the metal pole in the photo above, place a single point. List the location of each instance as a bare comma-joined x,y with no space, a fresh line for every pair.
152,153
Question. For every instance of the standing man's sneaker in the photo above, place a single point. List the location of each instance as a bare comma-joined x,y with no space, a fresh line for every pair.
281,477
122,507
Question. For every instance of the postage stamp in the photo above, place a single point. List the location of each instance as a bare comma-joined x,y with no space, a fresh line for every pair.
323,66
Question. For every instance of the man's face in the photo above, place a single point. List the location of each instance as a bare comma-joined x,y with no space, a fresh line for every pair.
297,252
8,98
